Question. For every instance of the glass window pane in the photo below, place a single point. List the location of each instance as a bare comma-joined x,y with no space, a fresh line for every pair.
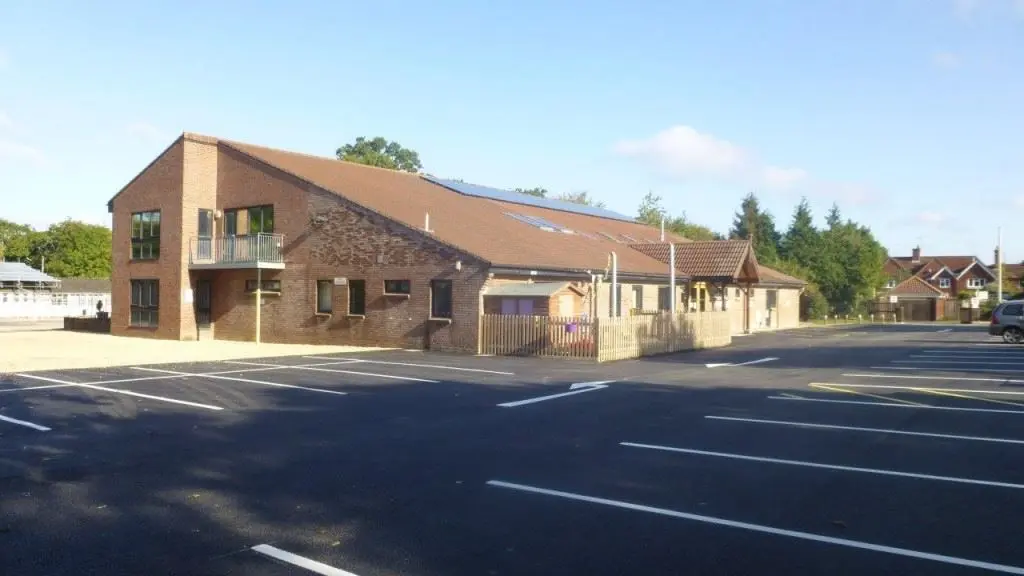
357,297
134,321
136,225
324,296
136,293
154,299
268,220
155,224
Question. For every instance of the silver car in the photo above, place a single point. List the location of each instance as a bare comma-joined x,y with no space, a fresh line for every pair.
1008,321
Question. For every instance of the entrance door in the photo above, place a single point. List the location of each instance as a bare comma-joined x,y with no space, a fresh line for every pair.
203,304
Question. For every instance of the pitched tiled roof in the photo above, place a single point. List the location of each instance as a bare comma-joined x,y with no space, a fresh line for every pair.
1011,270
84,285
929,265
915,286
706,259
478,226
772,276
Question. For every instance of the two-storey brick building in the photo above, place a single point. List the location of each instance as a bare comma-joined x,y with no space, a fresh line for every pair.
925,283
220,239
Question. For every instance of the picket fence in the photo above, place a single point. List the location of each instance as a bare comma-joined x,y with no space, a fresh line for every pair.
603,339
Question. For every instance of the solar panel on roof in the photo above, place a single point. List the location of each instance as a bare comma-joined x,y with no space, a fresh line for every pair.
19,272
526,199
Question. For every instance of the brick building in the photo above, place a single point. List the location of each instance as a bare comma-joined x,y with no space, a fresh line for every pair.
220,239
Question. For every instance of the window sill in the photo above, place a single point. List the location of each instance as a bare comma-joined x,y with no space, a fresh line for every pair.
148,328
323,314
143,259
264,293
396,295
440,320
356,316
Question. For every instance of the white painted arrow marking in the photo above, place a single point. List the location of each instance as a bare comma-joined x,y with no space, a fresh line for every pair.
578,388
759,361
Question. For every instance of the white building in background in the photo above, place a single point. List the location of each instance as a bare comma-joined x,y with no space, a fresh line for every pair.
27,293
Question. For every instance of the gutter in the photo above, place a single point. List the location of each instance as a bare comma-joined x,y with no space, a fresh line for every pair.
583,274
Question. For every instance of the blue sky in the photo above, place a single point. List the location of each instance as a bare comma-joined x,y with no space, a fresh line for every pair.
908,113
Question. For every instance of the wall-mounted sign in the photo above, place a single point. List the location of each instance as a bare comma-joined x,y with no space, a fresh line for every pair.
340,281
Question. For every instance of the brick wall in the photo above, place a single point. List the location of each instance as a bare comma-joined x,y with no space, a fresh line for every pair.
199,190
158,187
327,238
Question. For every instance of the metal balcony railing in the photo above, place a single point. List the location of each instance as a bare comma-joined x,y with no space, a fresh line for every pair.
251,251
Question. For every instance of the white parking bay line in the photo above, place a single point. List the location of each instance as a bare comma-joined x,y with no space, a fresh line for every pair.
985,353
54,382
930,388
300,561
353,372
116,391
149,396
895,405
1003,568
946,369
245,380
922,377
578,388
438,366
982,362
859,429
25,424
806,464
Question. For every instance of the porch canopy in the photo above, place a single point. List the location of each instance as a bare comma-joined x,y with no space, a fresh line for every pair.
713,262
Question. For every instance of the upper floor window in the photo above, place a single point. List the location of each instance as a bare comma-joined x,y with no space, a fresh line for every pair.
944,283
145,235
891,283
252,220
975,283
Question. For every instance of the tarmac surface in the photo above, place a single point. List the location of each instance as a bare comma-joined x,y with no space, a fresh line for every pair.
856,450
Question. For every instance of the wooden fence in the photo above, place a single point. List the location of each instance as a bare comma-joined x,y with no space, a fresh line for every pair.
602,339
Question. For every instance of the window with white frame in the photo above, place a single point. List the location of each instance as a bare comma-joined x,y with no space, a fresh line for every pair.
975,283
944,283
891,283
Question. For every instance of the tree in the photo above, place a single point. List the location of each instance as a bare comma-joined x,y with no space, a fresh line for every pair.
73,250
582,197
538,192
754,224
801,242
381,153
14,240
652,213
834,218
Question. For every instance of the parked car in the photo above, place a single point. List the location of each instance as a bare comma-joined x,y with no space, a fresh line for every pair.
1008,321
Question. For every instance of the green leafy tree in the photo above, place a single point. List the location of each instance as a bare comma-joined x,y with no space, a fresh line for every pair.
539,192
651,212
754,224
381,153
72,249
14,240
801,242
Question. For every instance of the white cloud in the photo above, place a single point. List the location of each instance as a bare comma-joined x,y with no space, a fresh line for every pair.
684,152
145,132
12,151
946,60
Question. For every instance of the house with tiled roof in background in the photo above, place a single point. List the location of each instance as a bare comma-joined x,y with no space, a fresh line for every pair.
927,287
1013,276
227,240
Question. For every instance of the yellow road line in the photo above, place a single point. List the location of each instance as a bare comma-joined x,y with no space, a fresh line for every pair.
835,387
941,392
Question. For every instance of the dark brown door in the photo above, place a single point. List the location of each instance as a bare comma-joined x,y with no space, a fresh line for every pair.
203,290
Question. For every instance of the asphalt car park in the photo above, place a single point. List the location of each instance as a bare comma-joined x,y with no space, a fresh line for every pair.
834,450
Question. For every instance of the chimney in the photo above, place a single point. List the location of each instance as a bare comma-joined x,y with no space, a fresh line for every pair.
916,255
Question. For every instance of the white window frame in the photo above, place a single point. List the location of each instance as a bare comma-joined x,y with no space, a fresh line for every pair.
975,283
945,283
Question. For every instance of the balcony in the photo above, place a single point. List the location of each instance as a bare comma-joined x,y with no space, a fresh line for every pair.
236,252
